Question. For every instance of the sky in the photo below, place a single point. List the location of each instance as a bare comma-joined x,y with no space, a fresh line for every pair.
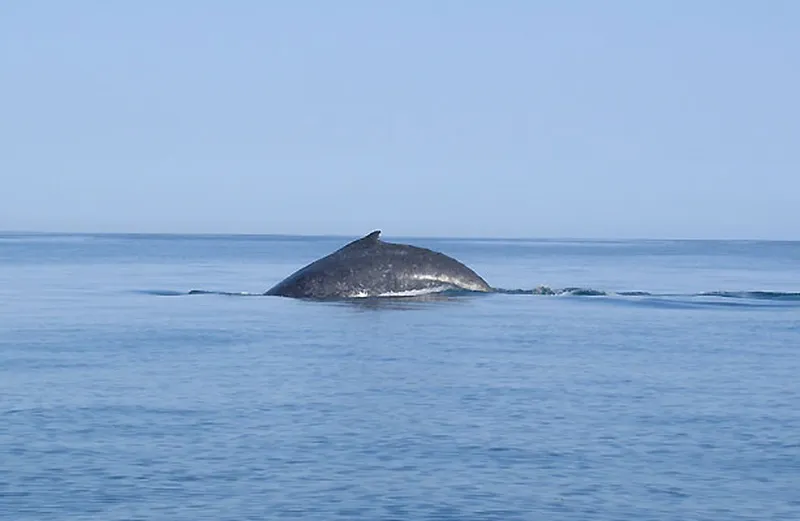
579,119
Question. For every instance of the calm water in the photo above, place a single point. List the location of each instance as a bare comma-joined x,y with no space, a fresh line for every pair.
122,397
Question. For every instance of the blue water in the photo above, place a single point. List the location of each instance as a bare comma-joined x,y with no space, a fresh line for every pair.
123,397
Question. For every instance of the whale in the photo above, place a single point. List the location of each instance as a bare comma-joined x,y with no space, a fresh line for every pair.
370,267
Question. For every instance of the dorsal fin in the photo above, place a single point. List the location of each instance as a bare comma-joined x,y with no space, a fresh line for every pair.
365,241
372,237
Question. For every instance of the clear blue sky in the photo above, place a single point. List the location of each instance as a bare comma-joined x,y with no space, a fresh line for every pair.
457,118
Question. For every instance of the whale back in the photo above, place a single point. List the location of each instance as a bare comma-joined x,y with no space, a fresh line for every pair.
369,267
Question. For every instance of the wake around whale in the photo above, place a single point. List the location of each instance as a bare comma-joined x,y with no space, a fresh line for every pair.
369,267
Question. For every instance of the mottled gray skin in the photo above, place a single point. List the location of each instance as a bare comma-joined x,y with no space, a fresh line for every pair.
369,267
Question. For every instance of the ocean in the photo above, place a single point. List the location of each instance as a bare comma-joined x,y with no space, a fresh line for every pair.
660,382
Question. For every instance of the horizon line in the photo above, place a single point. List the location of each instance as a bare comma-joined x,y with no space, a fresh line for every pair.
399,236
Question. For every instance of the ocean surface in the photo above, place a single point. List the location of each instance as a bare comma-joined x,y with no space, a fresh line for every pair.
666,387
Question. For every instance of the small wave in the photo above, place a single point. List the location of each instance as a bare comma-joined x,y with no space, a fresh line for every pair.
162,292
695,302
701,300
759,295
173,293
590,292
224,293
546,290
717,299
